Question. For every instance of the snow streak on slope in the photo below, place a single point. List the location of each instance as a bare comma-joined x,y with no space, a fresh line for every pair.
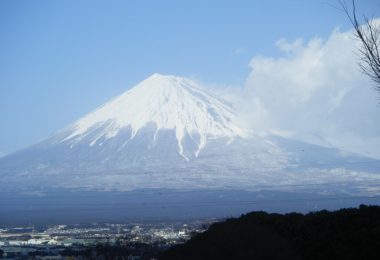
168,102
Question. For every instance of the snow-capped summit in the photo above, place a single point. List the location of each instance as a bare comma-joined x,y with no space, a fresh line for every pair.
167,102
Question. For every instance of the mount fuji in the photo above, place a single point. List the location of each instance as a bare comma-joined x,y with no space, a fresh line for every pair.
169,132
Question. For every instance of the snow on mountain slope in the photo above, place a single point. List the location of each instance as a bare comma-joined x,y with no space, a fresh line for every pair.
168,132
168,102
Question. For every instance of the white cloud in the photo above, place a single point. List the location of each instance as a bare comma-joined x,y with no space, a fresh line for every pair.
316,88
290,47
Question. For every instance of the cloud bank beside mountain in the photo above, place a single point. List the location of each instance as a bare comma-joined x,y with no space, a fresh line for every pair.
315,92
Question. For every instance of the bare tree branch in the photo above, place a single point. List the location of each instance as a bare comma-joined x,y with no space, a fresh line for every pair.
369,36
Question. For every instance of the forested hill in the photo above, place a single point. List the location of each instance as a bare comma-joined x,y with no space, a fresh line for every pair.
352,233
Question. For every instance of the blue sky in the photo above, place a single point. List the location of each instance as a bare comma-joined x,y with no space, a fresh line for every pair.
61,59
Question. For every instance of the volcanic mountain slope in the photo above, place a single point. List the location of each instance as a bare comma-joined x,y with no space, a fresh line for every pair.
168,132
159,103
